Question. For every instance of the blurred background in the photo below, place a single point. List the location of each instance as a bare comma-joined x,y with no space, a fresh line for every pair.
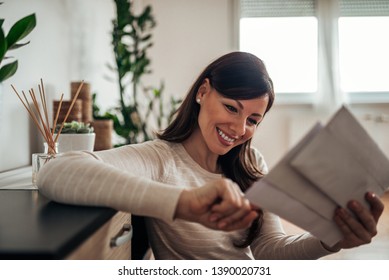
321,54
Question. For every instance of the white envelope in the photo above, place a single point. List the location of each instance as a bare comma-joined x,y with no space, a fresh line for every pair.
276,201
330,166
295,185
343,161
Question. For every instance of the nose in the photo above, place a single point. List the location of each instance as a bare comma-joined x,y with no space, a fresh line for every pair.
239,127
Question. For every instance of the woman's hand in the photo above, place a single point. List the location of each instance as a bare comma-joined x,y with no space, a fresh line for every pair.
218,205
360,229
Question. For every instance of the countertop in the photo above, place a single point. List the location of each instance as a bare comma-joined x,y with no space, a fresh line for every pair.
33,227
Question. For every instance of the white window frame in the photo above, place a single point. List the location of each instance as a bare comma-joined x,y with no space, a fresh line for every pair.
329,93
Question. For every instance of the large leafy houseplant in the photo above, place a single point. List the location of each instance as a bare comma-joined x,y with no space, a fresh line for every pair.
9,42
131,40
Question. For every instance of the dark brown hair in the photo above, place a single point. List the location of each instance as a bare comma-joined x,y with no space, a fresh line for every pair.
240,76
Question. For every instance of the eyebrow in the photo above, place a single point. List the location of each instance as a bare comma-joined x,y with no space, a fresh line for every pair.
242,107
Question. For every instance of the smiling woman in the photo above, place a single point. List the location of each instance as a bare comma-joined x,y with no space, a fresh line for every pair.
196,173
224,123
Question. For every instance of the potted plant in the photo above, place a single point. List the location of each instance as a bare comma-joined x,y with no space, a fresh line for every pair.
75,136
131,40
8,67
9,42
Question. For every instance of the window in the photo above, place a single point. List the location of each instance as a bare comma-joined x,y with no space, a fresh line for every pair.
290,57
320,49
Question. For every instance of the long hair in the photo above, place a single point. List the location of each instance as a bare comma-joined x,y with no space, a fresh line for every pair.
239,76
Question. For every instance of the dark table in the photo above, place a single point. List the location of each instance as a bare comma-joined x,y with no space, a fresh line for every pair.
33,227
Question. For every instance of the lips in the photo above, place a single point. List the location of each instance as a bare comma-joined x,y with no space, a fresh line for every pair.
225,137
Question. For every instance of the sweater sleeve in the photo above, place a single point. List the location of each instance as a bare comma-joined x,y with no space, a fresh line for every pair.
113,179
273,243
261,163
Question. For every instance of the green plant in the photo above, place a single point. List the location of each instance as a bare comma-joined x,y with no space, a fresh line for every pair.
97,115
9,42
131,40
74,127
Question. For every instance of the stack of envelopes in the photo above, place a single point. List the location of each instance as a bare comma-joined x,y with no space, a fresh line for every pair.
330,166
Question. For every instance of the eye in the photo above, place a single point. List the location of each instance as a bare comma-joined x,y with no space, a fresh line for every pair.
231,108
252,121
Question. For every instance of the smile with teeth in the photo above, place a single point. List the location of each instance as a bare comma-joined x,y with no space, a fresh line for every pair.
225,137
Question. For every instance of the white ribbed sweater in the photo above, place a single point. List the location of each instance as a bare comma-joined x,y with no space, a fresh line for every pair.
147,179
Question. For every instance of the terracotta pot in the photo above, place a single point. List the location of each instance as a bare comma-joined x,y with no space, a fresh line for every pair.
85,97
74,115
103,130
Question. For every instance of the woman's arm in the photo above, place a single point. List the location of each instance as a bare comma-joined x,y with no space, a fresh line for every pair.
84,179
106,179
273,243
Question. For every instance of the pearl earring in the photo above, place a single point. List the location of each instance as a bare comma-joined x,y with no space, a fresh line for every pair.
198,100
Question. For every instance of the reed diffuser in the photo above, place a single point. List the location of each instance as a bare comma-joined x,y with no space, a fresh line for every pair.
37,109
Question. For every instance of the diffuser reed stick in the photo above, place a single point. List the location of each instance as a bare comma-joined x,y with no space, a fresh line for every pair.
40,116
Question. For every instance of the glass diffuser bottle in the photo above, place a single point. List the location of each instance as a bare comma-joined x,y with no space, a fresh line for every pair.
40,159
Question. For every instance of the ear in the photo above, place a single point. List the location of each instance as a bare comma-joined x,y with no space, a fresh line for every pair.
203,89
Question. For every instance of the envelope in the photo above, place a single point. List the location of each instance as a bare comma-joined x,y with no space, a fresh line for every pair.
271,198
343,161
330,166
295,185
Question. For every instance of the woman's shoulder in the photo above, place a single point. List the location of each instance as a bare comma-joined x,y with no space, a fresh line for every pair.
259,159
160,145
157,147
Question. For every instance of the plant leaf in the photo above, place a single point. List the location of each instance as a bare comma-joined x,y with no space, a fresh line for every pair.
146,38
16,46
21,29
8,70
110,67
3,45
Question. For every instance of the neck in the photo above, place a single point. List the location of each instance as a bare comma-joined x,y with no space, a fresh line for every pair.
199,152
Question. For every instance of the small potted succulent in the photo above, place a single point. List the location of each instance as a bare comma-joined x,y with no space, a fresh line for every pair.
75,136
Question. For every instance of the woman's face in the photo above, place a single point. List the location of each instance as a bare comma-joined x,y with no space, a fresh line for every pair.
226,123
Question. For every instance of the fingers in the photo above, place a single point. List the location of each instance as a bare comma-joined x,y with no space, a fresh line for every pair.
219,205
366,221
232,199
241,223
234,211
376,205
359,224
354,232
241,217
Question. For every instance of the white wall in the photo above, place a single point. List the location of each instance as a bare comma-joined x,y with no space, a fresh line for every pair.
188,36
72,42
45,58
